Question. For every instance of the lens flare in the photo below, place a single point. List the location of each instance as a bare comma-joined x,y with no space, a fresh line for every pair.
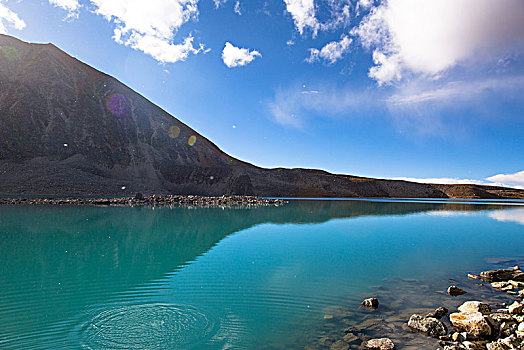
117,104
174,131
11,53
192,140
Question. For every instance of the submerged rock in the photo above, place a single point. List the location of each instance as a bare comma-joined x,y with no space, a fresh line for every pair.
371,303
350,338
429,326
326,341
455,291
475,323
379,344
339,345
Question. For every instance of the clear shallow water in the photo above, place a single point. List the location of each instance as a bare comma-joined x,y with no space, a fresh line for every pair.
271,277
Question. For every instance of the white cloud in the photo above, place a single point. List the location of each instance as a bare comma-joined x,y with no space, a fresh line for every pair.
429,37
237,8
339,14
331,52
151,26
454,91
219,3
514,180
291,107
9,17
509,215
303,13
71,6
363,5
333,14
235,56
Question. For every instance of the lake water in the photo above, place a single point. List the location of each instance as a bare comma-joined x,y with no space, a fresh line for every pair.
74,277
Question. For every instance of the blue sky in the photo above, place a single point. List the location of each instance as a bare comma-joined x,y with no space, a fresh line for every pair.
418,89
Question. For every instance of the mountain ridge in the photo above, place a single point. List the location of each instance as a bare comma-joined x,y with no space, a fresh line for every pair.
69,129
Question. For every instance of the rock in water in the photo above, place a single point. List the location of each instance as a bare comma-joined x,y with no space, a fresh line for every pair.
379,344
475,306
516,308
438,313
475,323
371,303
502,275
339,345
427,325
454,291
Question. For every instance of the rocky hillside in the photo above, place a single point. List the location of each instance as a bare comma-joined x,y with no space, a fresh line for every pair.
68,129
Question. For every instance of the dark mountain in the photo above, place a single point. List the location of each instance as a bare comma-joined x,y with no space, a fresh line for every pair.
68,129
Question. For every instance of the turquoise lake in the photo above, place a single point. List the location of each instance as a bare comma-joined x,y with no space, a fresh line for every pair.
84,277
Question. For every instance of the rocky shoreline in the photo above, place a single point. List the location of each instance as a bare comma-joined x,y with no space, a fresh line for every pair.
153,200
496,323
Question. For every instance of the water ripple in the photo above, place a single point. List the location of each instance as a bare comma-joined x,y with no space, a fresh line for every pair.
159,326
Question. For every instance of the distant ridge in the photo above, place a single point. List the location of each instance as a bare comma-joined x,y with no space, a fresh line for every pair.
68,129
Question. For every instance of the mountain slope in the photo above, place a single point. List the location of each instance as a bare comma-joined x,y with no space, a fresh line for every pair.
68,129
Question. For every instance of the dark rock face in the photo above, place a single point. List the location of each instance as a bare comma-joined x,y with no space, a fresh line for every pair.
371,303
455,291
502,275
438,313
427,325
68,129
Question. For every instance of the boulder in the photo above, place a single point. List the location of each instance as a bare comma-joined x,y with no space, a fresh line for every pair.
502,275
379,344
454,291
516,308
371,303
429,326
520,330
474,345
459,337
457,346
438,313
502,286
516,284
475,306
495,346
474,323
510,342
